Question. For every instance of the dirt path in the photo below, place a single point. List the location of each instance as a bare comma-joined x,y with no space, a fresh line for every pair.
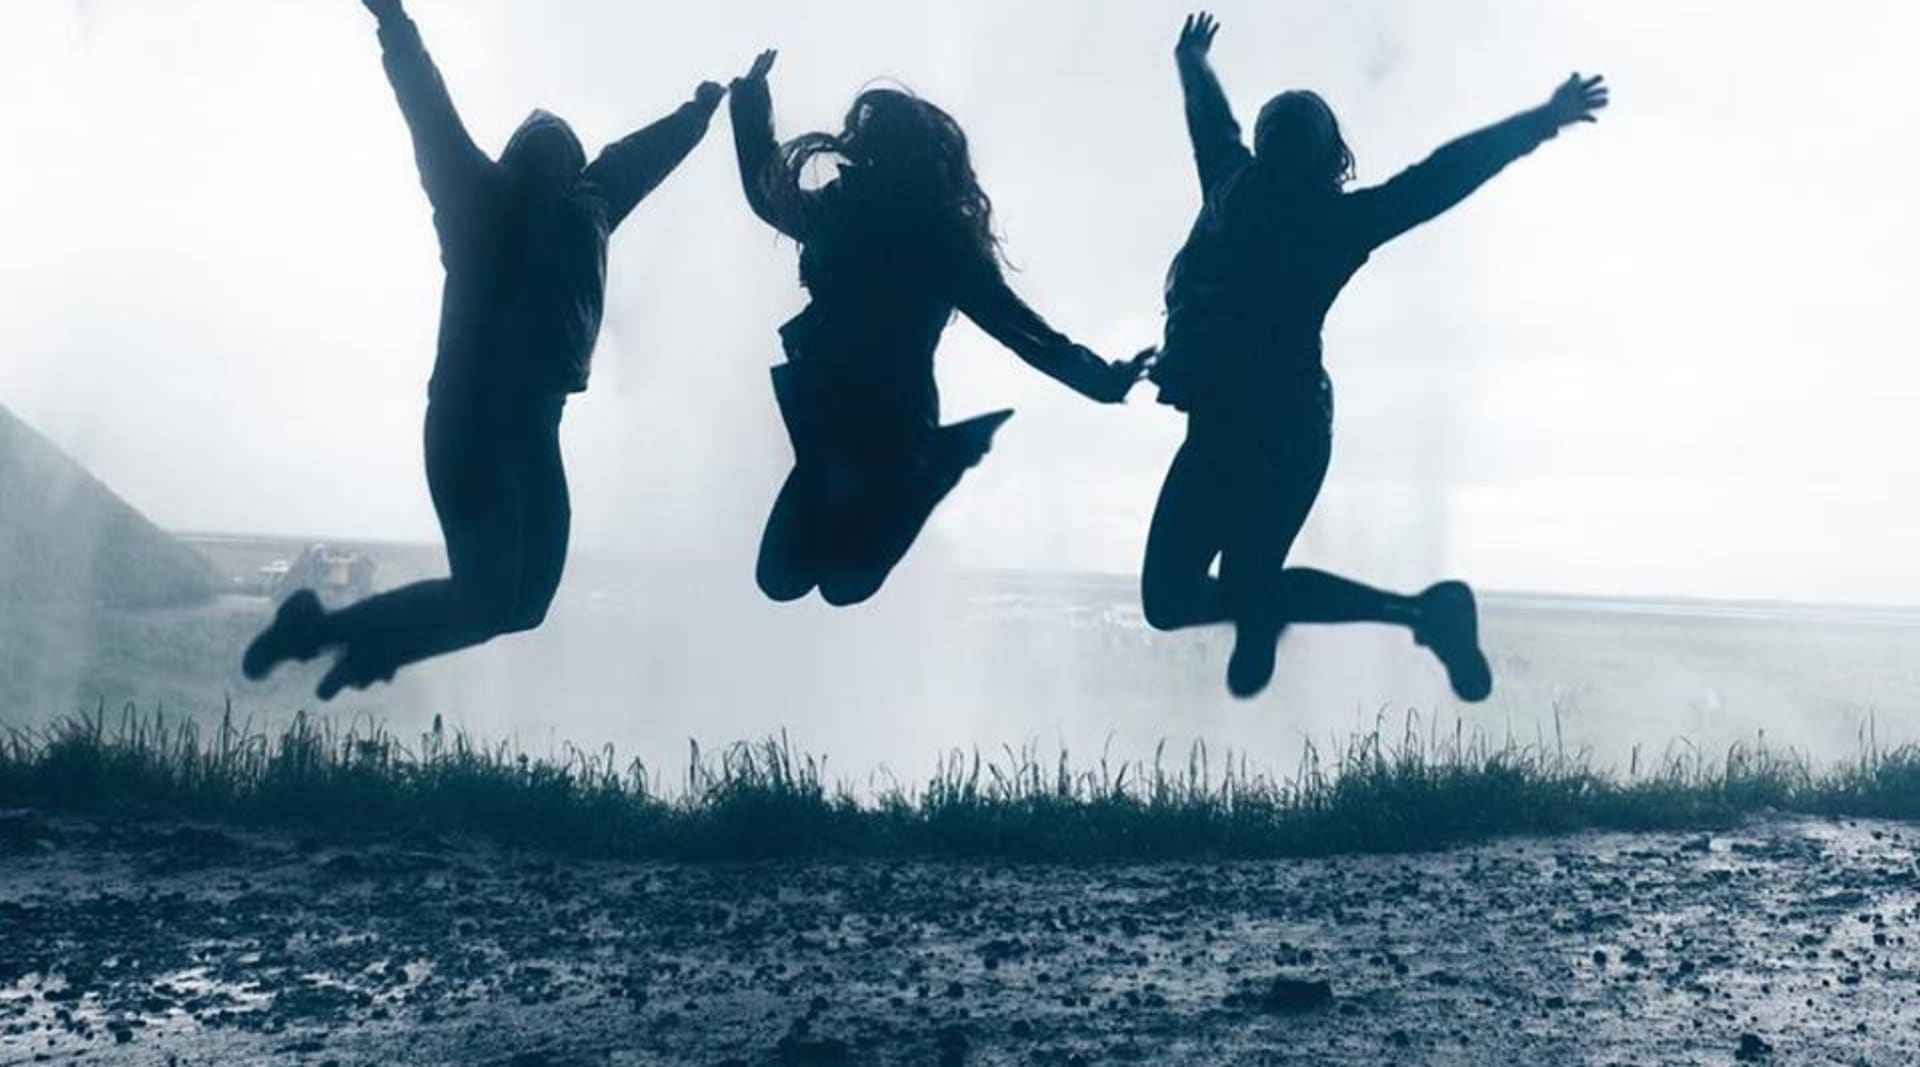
199,945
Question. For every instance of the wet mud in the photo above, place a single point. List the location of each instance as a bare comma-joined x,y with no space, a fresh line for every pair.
1789,941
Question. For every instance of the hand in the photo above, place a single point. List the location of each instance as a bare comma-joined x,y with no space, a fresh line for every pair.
384,10
1121,377
709,95
762,66
1576,100
1196,37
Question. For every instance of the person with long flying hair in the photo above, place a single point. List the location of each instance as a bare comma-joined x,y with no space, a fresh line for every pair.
1278,236
890,246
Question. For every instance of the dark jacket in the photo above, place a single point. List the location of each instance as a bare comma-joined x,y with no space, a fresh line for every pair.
1249,292
526,272
883,290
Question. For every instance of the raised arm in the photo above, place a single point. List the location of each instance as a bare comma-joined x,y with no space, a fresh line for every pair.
982,294
751,104
1452,173
1217,148
630,168
451,165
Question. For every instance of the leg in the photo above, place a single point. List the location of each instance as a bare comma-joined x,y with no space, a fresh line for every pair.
1177,588
477,473
787,568
876,519
1271,488
889,507
875,535
546,525
1267,595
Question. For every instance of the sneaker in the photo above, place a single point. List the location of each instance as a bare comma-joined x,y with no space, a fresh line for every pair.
349,672
339,677
1450,626
291,636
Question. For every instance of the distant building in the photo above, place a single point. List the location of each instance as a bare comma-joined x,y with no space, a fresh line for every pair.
338,575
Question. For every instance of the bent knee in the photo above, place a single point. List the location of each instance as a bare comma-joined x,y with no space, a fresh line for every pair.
782,584
528,614
844,593
497,610
1166,609
1161,617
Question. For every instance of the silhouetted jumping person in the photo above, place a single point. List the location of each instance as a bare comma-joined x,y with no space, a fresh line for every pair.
890,247
524,243
1277,238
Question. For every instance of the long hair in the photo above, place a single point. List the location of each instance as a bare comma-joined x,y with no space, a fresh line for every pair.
916,154
1297,139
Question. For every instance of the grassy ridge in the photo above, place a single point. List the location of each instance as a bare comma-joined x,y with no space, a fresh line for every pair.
1410,790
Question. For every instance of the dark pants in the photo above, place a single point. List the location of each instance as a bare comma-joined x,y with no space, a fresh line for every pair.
868,472
843,527
1240,490
500,491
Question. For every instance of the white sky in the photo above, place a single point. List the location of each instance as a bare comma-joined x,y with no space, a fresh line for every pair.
1670,354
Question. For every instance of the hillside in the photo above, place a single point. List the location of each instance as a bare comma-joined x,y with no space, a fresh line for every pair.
66,539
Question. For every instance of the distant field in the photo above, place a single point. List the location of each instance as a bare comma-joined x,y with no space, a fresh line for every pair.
648,656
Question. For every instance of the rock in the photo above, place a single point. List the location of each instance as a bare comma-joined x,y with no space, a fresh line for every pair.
1752,1048
810,1050
1287,994
953,1046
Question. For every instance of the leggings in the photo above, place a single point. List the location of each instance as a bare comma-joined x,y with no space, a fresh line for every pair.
1241,499
500,491
1239,490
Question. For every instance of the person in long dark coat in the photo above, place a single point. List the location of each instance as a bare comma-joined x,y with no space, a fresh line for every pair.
890,247
1278,236
523,240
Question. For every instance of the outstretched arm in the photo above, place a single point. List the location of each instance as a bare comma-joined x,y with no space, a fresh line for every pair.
751,103
630,168
1452,173
450,163
982,294
1217,148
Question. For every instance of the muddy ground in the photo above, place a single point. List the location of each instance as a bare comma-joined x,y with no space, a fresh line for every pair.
1790,941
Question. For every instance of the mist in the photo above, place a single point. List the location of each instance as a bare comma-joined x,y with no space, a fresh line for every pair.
1664,357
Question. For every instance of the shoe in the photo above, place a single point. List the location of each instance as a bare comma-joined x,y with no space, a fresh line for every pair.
339,677
349,673
1251,667
291,636
1450,626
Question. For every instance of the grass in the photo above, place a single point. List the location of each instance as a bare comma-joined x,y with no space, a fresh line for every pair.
1406,790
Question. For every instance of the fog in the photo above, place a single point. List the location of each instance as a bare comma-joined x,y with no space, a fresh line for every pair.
1669,355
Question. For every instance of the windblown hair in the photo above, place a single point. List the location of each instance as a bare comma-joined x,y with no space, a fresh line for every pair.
919,153
1298,118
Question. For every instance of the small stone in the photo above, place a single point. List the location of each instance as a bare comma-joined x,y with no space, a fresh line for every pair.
1294,994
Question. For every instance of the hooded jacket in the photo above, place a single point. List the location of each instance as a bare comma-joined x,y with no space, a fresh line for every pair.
526,261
